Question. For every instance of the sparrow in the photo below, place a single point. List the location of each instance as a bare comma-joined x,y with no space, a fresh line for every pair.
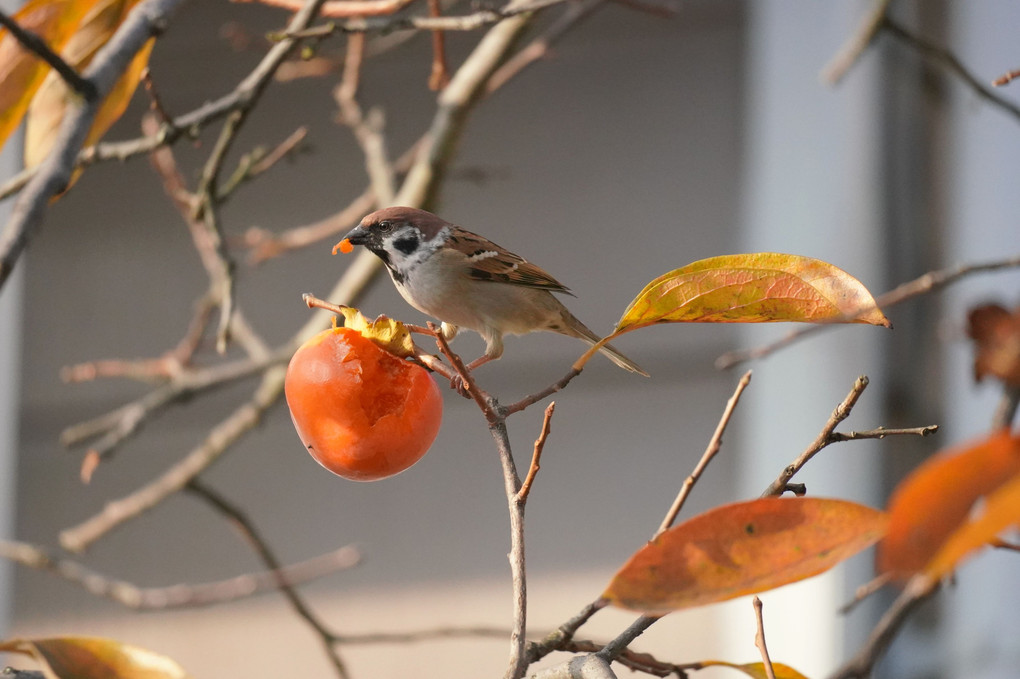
467,281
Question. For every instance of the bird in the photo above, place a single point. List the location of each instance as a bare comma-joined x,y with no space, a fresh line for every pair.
466,281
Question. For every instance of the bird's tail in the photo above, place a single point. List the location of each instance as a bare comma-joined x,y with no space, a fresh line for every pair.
612,353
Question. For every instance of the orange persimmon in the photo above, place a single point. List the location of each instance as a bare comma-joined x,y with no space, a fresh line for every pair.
361,412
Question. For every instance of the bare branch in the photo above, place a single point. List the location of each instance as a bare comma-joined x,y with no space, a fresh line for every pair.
254,538
945,58
540,46
918,590
882,432
561,637
713,447
219,439
856,44
759,639
183,595
54,173
618,645
36,45
1006,78
824,438
344,8
367,131
522,494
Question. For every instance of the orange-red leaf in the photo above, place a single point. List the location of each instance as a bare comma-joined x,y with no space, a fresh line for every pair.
1001,511
21,72
756,670
95,658
754,288
47,108
931,503
743,548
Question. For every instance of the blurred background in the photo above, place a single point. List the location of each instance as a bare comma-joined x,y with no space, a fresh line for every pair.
639,145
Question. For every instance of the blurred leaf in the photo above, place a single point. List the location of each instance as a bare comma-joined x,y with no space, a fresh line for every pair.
95,658
47,108
21,72
754,288
931,503
996,335
1001,511
757,669
743,548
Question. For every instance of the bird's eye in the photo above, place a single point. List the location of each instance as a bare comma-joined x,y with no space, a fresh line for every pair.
386,226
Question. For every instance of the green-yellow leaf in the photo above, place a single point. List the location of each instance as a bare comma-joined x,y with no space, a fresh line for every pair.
95,658
753,288
743,548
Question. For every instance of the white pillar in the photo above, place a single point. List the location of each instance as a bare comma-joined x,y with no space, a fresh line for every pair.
809,190
10,372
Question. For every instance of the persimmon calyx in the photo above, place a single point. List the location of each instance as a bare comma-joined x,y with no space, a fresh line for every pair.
390,335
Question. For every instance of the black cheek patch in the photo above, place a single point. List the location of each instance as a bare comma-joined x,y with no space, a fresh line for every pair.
407,245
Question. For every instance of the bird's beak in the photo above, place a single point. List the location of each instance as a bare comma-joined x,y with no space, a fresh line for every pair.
359,235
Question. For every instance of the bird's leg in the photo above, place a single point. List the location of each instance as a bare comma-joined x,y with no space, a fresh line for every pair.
493,350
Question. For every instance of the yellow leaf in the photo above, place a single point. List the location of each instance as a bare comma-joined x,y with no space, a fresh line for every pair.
1001,511
49,104
757,669
21,72
95,658
742,548
754,288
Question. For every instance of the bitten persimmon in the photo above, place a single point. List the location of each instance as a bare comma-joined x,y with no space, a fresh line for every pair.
362,413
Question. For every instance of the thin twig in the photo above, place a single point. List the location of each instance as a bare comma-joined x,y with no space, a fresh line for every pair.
190,123
36,45
950,62
388,24
710,451
824,438
54,174
367,130
536,457
617,646
850,52
189,595
556,386
1006,78
866,590
259,161
882,432
254,538
918,590
440,75
541,46
759,639
344,8
219,439
929,282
